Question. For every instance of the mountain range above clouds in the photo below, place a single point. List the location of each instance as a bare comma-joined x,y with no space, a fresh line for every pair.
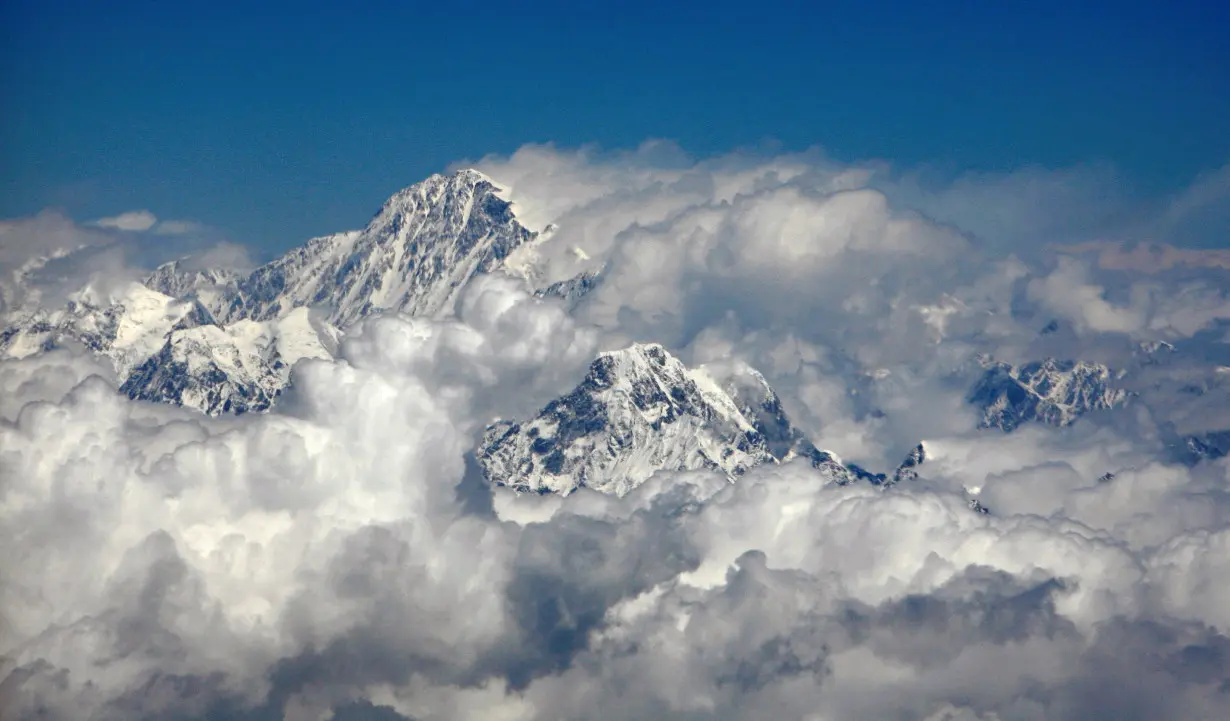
472,462
442,362
223,342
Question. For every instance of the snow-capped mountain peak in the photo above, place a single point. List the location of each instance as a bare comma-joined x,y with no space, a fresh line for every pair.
209,286
217,328
640,410
908,469
231,369
414,256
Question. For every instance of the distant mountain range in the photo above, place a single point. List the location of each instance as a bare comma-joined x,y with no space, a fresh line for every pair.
1048,391
224,342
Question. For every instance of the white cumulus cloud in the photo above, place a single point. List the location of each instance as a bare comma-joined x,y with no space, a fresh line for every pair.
134,220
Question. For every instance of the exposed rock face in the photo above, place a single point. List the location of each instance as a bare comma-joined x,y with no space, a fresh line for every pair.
210,287
640,410
125,325
221,342
908,470
572,290
237,369
1049,391
1206,446
414,257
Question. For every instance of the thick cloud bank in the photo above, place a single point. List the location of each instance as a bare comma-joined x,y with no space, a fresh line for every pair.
341,556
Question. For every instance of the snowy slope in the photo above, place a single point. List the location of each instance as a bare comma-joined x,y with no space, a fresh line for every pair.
760,404
1049,391
126,325
233,369
640,410
216,341
211,287
414,257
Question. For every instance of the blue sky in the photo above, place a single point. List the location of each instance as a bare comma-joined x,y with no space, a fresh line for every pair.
275,121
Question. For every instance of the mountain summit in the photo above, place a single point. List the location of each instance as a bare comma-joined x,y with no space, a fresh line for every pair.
224,342
640,410
414,257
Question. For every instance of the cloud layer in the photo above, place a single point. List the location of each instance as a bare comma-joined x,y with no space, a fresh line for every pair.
141,221
340,558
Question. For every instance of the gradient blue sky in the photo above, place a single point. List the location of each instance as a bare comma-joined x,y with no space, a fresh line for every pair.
275,121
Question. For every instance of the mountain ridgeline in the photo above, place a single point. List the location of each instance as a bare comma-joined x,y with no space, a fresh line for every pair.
414,257
1050,391
224,342
640,410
